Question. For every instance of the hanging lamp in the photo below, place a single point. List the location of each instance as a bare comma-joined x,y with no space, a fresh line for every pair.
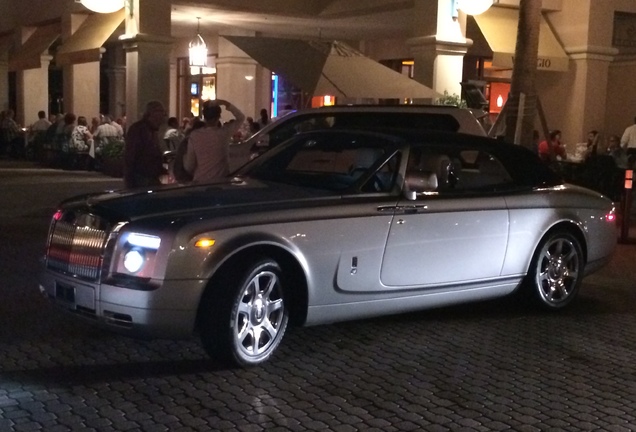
198,49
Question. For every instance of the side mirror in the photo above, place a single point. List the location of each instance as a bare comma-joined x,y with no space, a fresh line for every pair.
410,195
419,182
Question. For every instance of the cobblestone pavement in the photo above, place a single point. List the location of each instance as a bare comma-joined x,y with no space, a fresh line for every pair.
495,366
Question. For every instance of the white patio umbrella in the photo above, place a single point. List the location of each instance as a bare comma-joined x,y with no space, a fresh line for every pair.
330,68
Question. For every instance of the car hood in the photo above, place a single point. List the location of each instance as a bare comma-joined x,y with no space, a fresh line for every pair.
174,200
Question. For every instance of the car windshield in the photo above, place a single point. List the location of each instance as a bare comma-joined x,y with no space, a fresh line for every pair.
330,161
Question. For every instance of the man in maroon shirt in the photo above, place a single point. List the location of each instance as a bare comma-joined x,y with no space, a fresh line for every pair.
143,161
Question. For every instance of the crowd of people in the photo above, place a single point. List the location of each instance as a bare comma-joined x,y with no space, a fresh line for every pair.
66,133
595,163
200,145
621,149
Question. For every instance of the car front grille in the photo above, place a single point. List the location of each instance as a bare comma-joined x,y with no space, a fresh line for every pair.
76,250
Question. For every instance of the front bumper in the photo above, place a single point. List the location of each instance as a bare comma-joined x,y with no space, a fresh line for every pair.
167,312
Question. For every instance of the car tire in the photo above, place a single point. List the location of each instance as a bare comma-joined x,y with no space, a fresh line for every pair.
244,318
556,271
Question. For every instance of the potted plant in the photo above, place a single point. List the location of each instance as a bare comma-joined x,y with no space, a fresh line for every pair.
111,155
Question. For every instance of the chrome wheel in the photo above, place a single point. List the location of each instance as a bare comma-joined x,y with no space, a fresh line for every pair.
558,270
259,316
243,315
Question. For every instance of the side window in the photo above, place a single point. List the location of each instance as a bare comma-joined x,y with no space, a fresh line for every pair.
439,171
480,171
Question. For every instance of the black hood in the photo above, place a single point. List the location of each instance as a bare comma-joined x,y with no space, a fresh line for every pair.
181,200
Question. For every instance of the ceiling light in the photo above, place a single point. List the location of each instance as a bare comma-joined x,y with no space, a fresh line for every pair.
198,49
103,6
474,7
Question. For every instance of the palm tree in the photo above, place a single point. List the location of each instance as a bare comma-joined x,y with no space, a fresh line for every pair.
520,117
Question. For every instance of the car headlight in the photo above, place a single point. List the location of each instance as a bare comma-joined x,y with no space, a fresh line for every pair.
134,260
144,241
137,254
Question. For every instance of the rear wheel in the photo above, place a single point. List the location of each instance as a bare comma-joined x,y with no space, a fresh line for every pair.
244,318
556,271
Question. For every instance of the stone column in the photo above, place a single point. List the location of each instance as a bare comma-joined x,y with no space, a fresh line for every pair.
81,81
148,47
117,90
81,89
438,45
589,82
233,70
33,92
5,43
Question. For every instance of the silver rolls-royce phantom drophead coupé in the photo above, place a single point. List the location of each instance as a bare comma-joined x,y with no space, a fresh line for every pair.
328,226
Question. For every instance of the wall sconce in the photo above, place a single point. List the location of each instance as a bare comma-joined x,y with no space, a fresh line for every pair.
249,77
198,49
471,7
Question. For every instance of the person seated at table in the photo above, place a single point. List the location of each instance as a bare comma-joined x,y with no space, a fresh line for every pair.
13,137
617,152
81,137
593,139
554,147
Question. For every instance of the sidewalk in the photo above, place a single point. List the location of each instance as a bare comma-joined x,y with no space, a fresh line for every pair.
9,163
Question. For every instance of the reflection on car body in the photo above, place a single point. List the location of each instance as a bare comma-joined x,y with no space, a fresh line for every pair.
328,226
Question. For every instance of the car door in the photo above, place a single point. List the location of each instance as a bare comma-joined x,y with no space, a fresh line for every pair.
454,232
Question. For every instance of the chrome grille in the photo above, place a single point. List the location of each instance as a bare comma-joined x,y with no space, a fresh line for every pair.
77,250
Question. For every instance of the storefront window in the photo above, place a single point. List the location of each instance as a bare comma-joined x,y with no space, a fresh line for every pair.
285,96
195,86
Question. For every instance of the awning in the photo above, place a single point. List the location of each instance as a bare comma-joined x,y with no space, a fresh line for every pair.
499,27
85,45
28,56
329,67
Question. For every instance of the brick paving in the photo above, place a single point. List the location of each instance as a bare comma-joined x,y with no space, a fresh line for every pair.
493,366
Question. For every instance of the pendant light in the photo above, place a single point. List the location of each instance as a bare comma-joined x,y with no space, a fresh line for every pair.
198,49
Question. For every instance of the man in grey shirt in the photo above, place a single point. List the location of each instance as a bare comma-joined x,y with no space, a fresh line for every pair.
207,156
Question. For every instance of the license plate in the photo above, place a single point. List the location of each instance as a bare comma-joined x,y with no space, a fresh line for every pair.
65,293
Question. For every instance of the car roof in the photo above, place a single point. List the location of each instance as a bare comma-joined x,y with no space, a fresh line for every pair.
525,166
464,117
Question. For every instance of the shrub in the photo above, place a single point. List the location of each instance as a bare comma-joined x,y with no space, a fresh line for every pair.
113,148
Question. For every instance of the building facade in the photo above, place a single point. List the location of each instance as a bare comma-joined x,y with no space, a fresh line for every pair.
56,55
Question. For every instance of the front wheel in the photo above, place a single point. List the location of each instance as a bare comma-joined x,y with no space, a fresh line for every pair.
245,318
556,271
